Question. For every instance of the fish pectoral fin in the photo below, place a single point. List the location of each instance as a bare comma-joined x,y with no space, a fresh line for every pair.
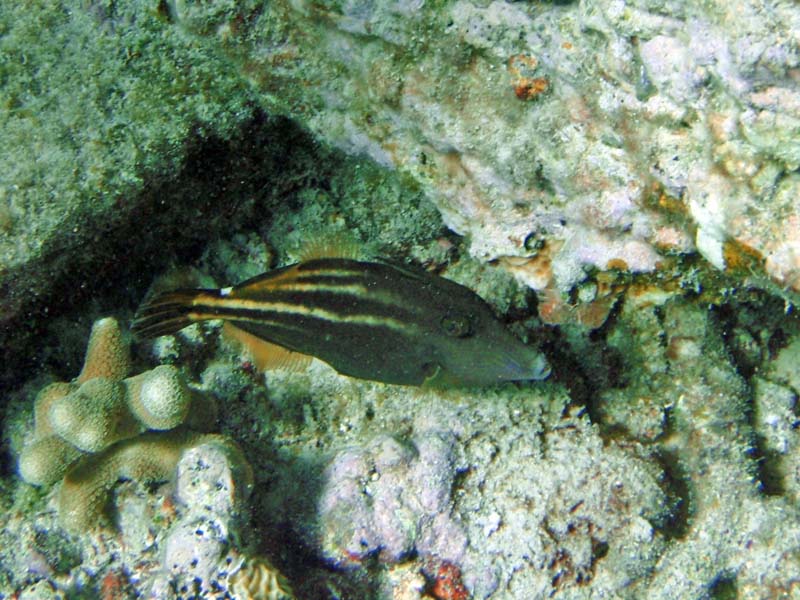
434,376
265,355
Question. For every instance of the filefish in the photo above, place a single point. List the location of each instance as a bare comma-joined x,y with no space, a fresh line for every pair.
372,320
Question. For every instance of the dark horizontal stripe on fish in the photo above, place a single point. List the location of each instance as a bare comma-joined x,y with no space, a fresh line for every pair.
289,313
377,273
374,284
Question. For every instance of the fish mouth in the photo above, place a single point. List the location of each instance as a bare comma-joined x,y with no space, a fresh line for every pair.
523,369
542,368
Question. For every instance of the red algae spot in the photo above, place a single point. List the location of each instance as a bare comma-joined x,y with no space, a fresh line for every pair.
528,89
115,586
447,584
554,309
521,67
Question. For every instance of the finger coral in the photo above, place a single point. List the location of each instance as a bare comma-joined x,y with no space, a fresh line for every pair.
146,458
93,417
99,428
107,354
159,398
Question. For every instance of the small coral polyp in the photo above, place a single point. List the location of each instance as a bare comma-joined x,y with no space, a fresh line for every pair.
257,579
109,426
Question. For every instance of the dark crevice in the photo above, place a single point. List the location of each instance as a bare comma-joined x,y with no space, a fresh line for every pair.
753,327
723,587
170,221
677,487
770,471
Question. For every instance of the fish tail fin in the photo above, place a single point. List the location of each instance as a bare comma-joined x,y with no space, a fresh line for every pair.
170,312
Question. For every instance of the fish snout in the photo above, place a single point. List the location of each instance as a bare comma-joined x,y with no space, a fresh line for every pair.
525,364
493,363
540,368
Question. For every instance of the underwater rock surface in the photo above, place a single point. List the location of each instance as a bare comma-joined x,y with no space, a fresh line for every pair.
595,147
602,134
95,110
559,137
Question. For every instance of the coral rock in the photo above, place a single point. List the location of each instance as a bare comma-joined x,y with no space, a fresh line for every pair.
94,416
44,400
259,580
159,398
215,475
36,464
212,484
447,583
147,458
391,499
105,416
107,354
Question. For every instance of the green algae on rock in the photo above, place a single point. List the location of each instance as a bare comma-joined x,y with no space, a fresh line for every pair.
90,113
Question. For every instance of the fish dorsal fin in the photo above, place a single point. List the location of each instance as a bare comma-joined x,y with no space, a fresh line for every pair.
265,355
339,245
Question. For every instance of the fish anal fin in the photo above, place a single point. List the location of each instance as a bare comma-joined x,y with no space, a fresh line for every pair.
265,355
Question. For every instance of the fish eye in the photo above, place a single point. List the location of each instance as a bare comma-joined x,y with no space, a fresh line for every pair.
457,325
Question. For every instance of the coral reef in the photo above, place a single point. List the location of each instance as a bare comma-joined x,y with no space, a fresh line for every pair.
630,156
91,432
724,440
633,163
713,440
550,503
182,540
71,163
147,458
558,512
497,486
213,483
496,493
139,430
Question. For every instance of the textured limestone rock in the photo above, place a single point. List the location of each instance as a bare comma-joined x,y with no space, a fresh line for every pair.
600,134
79,149
391,499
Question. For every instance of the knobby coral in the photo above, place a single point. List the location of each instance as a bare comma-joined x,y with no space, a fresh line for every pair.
103,427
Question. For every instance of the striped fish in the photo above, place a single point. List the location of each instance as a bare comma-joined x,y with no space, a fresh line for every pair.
370,320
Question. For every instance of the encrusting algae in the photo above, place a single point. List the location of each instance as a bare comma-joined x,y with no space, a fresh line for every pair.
371,320
102,427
